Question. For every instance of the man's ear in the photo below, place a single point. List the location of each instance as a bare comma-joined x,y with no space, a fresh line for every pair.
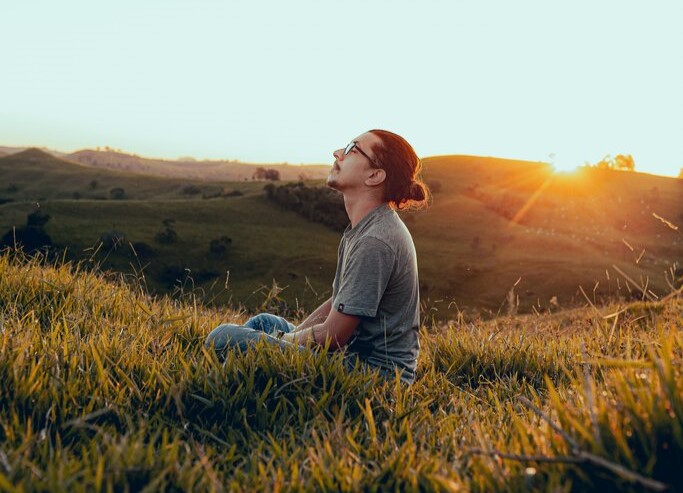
376,177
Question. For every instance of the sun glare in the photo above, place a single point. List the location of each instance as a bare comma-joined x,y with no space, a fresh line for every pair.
564,166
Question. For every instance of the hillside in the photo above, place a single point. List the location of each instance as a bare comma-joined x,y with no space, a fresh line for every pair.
36,175
7,150
494,222
103,388
190,169
494,225
206,170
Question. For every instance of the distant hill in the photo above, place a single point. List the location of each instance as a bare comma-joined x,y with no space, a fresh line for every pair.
196,170
34,174
207,170
6,150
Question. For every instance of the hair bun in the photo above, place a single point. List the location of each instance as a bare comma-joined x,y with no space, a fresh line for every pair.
417,191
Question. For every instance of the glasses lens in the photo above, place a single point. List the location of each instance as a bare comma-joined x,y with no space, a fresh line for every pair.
349,148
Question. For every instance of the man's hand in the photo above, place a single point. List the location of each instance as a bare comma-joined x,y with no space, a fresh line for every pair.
338,328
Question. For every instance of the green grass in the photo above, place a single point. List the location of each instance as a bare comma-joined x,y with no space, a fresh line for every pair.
105,388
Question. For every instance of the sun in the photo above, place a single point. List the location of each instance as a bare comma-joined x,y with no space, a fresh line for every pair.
563,165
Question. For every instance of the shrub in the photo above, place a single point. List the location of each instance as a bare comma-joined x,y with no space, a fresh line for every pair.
117,193
319,204
113,239
220,245
31,239
37,219
167,236
191,190
142,250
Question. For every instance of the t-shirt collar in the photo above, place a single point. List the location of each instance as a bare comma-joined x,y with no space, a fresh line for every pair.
376,212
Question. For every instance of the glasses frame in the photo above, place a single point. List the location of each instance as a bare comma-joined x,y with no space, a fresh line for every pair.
354,145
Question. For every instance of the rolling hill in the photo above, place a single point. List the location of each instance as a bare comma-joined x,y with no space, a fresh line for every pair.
206,170
187,168
509,223
500,236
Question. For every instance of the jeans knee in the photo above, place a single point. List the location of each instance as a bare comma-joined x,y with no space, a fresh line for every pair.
218,337
268,323
262,321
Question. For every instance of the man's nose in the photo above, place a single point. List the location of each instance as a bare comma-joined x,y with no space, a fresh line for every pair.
338,154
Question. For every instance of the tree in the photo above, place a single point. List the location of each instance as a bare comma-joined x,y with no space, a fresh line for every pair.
620,162
624,162
273,175
266,174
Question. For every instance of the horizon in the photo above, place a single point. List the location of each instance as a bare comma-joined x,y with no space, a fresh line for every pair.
264,82
284,163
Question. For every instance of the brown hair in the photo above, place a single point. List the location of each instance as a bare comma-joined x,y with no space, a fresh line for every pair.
404,186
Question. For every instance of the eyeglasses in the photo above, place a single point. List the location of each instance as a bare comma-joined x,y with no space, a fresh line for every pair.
354,145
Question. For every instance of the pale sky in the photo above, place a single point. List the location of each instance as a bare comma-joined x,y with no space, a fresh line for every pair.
276,81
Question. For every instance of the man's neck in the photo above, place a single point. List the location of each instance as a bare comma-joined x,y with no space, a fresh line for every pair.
357,207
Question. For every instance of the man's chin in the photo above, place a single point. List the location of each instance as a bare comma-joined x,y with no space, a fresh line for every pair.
331,182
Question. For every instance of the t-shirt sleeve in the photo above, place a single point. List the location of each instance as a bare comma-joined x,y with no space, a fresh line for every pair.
364,278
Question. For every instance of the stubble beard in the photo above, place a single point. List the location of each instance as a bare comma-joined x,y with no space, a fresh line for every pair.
332,182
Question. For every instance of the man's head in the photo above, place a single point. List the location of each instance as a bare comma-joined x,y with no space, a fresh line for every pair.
381,163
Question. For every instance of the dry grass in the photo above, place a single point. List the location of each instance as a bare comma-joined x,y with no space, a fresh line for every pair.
104,388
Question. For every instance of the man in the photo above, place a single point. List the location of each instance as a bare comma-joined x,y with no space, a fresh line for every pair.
373,313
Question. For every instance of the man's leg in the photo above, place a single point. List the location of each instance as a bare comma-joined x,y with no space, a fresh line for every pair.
270,324
261,327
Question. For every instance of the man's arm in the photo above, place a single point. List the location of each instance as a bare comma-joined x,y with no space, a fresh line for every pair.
317,317
338,328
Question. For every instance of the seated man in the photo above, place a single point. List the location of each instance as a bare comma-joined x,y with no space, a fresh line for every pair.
373,313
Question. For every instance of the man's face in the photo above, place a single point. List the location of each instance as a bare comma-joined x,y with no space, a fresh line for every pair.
351,170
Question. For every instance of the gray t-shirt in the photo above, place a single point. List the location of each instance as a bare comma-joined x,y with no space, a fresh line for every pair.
377,281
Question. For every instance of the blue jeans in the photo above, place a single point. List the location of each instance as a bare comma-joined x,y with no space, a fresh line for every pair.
265,327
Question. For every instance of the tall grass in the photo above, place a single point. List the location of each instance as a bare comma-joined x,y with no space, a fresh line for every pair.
104,388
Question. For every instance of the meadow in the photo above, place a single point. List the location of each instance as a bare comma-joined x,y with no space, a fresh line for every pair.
497,230
105,388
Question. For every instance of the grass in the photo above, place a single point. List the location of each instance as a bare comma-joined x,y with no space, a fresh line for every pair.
105,388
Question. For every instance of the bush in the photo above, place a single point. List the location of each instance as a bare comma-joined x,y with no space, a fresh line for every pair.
31,239
191,190
113,239
117,193
142,250
167,236
319,204
220,246
37,219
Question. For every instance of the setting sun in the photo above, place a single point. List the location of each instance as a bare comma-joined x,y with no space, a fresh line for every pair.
563,165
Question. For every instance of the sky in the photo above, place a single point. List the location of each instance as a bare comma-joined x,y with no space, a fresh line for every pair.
290,81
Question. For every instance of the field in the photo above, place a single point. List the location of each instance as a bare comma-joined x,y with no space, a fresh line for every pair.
500,236
103,388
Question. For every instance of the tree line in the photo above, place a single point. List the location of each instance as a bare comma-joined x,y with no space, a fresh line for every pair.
319,204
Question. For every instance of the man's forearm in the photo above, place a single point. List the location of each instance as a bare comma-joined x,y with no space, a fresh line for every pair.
317,334
302,336
317,317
